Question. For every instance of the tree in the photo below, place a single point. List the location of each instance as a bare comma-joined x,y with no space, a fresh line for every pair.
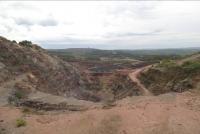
26,43
14,41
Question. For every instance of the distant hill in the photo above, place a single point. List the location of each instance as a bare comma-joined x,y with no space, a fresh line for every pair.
96,54
170,51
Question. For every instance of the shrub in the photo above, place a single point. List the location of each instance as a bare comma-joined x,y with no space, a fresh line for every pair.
14,41
20,122
18,95
15,97
26,43
167,63
191,65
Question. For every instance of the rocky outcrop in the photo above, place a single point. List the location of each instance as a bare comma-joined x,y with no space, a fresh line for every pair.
39,105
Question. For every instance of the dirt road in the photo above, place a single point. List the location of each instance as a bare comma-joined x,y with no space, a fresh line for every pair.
134,77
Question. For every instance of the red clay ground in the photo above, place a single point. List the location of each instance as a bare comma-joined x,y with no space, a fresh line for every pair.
165,114
134,77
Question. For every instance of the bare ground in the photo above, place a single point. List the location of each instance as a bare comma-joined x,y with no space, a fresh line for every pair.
134,77
165,114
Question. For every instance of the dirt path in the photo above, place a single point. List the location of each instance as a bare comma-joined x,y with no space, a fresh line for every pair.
134,78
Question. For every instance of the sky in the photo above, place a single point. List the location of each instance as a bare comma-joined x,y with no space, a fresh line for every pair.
102,24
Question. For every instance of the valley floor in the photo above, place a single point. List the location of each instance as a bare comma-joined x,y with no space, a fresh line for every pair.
172,113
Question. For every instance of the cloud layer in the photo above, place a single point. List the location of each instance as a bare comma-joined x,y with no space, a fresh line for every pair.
104,24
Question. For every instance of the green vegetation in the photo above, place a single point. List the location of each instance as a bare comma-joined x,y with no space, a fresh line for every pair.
187,67
18,95
170,75
167,63
26,43
191,66
29,44
78,54
14,41
20,122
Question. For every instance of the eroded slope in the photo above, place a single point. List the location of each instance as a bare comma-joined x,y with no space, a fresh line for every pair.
45,72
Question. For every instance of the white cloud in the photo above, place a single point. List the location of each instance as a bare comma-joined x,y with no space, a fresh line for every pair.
103,24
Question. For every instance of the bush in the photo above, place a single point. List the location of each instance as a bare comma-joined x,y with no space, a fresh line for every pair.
20,122
167,63
14,41
15,97
26,43
18,95
191,65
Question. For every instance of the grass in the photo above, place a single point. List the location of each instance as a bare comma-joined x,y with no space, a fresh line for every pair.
20,122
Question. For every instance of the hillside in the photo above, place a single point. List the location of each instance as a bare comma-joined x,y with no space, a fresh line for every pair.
43,72
173,75
42,93
28,70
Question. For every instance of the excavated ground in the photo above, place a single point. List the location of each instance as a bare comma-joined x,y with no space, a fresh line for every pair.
42,91
172,113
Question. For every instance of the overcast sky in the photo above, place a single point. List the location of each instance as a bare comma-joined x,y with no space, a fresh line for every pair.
104,25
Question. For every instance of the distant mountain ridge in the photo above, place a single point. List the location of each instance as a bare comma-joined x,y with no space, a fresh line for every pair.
167,51
146,55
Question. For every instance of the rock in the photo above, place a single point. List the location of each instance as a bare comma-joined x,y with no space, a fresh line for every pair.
2,65
39,105
183,85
